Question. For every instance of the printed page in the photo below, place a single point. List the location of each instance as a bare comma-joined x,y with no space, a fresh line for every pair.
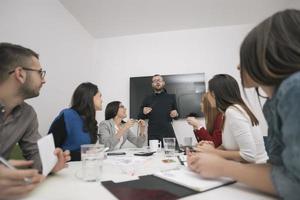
183,176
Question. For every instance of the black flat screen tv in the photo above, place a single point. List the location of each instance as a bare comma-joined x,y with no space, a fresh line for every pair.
188,89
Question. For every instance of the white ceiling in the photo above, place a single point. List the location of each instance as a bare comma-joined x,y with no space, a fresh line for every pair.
110,18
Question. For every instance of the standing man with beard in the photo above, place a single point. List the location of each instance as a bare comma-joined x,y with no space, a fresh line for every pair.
21,77
160,108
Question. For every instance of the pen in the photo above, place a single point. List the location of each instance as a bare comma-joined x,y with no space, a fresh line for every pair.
181,162
8,165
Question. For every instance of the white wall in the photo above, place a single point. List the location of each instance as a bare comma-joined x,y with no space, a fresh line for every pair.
209,50
65,48
70,55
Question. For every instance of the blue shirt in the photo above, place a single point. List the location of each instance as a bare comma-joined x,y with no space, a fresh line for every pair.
282,113
73,134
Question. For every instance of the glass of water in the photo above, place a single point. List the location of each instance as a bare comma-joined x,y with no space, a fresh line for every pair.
169,146
92,156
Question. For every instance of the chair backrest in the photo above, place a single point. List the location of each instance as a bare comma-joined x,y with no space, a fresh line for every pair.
16,153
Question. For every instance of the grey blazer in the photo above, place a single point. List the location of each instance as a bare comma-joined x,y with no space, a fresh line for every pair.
107,136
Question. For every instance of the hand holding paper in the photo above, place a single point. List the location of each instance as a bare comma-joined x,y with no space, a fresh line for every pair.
52,159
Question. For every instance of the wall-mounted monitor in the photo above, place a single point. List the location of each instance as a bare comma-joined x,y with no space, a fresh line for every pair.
188,89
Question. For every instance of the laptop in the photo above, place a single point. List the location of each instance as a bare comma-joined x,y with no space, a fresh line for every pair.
182,130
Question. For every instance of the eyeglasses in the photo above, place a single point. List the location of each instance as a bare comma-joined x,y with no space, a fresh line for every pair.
40,71
157,80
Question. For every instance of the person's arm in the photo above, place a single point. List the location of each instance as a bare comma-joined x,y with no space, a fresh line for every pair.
141,114
174,112
141,127
209,148
212,166
58,130
136,140
286,174
107,137
240,128
249,173
203,134
28,143
230,155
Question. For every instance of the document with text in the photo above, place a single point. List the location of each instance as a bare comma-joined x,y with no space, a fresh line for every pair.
185,177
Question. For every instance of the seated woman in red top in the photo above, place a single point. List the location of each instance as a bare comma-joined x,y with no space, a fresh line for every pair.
213,122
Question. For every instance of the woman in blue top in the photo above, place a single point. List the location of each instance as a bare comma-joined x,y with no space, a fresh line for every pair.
77,125
269,59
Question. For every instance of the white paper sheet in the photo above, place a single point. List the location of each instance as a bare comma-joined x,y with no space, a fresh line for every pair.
46,149
183,176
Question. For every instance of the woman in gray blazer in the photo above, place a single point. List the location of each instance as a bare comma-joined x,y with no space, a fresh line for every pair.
114,132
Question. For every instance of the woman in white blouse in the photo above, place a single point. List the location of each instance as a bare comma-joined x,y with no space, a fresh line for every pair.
113,131
241,138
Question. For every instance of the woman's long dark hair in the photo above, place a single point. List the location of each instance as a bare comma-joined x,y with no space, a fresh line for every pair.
271,51
111,110
227,93
83,102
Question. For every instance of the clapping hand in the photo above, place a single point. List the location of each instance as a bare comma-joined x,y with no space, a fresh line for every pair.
147,110
193,122
173,114
142,126
205,147
129,123
207,165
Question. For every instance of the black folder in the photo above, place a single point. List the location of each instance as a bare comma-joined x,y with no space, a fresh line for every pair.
146,188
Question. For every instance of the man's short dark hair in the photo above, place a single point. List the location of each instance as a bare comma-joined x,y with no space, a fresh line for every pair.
11,56
158,75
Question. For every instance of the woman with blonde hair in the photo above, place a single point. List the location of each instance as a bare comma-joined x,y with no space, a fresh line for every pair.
213,122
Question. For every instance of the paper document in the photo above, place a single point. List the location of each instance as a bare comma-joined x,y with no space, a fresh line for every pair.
183,176
46,149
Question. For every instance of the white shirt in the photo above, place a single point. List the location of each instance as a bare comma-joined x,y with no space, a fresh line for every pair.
240,135
118,146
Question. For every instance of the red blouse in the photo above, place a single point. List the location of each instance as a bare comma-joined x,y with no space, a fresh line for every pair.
215,136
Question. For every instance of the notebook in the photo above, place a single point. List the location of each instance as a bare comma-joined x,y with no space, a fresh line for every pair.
148,187
185,177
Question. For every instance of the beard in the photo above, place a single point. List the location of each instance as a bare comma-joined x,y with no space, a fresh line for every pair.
27,91
158,89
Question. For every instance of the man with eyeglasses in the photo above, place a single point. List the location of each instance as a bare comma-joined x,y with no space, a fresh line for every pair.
160,108
21,77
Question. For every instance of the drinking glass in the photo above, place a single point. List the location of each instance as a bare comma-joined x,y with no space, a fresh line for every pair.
169,146
92,156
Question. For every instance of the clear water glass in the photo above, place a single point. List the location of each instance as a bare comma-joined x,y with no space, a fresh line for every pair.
169,146
92,156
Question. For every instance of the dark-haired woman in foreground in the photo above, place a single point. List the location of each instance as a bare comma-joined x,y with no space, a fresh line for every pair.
77,125
114,132
269,59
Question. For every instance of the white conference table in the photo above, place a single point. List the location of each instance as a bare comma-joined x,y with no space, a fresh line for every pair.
66,185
